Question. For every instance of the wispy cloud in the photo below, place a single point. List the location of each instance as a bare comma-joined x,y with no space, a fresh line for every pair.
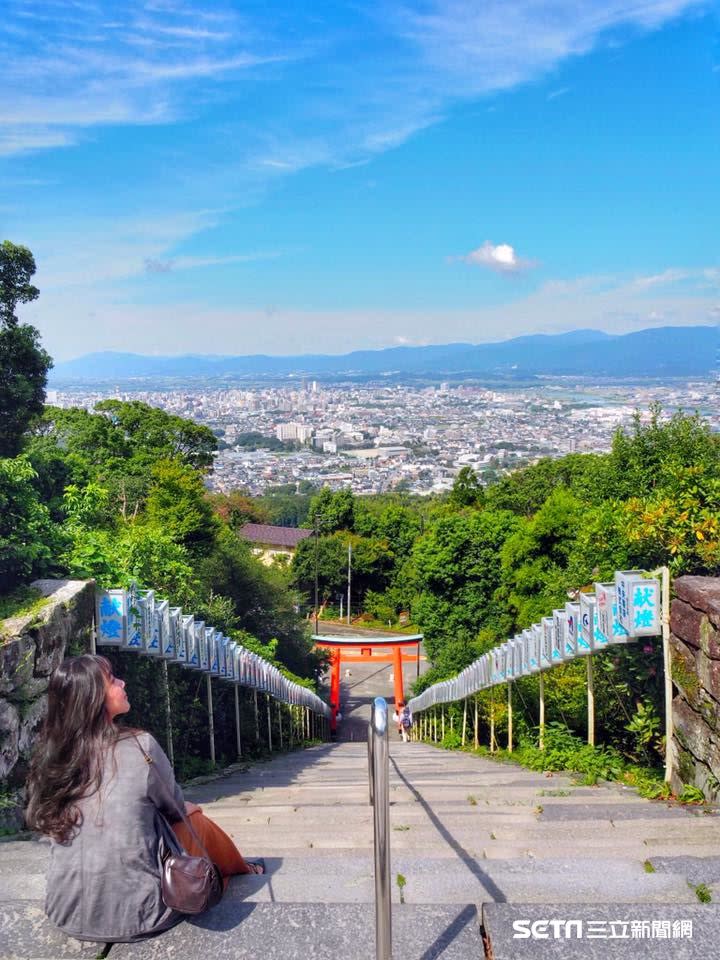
500,257
68,67
20,139
190,263
416,59
92,255
698,278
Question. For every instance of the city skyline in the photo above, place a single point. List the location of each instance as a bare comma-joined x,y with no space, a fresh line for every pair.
241,180
374,437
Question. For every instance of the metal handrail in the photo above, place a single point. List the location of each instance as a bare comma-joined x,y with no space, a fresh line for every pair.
379,773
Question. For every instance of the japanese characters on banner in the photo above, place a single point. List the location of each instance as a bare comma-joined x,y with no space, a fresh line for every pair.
138,620
614,613
638,603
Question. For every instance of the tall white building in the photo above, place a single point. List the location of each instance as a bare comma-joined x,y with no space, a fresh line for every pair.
293,431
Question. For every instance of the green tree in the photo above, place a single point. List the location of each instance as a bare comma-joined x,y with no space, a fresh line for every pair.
585,475
237,508
536,557
29,540
398,525
177,500
327,555
119,444
456,571
17,267
263,600
23,374
642,457
332,510
23,363
467,490
156,434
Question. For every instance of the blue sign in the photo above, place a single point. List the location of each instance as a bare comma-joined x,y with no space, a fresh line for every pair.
110,618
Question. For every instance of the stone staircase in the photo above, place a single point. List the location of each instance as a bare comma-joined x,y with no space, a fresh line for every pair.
479,844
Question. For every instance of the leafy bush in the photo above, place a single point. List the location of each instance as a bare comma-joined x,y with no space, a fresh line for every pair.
564,751
451,741
28,537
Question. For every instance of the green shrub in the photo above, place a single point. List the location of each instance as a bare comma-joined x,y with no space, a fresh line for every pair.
451,741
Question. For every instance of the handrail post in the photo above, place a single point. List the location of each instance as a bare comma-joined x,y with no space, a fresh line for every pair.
371,768
378,758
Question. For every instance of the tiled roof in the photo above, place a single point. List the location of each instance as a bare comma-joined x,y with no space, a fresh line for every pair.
265,533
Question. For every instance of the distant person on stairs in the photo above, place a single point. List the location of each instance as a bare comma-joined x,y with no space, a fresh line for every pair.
403,718
98,790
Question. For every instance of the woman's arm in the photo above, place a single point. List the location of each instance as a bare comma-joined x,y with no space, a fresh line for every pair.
162,788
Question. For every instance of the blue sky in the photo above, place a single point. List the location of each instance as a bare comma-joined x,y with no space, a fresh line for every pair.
283,177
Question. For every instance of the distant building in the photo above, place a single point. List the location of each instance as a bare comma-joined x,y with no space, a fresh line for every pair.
269,542
293,431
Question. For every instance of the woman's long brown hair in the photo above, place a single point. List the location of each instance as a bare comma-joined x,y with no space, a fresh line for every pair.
67,763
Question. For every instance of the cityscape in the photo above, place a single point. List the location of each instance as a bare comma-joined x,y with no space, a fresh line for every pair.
375,437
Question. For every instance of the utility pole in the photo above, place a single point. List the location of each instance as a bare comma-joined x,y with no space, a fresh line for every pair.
317,532
349,579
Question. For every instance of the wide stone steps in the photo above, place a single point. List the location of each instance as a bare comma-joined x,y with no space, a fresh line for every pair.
474,841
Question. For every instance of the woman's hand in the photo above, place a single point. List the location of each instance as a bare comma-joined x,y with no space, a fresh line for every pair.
191,808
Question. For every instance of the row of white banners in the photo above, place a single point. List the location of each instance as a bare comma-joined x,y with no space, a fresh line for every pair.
615,613
137,620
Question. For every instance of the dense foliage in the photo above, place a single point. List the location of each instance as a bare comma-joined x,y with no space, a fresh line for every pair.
23,362
479,565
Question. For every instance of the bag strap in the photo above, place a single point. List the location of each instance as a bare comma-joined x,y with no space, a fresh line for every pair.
186,819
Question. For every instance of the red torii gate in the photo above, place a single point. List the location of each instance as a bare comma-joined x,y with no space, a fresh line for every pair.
358,649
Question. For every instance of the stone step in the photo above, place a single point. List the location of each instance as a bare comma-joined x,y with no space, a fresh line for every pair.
347,879
429,881
625,851
27,934
303,931
605,932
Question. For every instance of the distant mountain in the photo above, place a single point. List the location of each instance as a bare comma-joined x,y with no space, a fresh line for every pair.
657,352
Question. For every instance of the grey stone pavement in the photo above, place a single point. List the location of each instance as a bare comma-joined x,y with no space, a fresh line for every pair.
478,842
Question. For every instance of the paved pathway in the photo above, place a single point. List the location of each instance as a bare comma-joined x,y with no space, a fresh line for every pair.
475,841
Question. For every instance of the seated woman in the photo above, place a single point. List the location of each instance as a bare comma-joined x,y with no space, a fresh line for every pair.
98,789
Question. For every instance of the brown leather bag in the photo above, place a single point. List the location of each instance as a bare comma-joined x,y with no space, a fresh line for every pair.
189,884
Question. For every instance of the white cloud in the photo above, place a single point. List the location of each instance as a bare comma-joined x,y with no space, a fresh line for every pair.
500,257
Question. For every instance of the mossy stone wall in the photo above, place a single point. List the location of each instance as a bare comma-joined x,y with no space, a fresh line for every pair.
695,655
31,647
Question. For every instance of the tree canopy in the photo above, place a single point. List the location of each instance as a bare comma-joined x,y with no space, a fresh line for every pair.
24,364
17,267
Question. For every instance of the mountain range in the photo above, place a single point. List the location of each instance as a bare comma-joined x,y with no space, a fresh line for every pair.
656,352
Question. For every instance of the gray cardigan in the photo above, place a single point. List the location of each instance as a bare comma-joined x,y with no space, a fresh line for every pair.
105,884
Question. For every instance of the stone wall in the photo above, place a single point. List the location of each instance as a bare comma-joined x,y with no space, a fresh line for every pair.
31,647
695,654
